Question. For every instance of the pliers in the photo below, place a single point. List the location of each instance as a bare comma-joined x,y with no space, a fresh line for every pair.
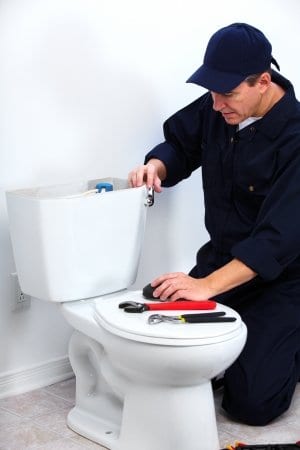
136,307
218,316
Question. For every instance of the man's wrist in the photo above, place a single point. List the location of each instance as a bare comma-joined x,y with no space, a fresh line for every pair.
206,287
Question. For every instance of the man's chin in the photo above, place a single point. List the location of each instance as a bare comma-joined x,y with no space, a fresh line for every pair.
231,119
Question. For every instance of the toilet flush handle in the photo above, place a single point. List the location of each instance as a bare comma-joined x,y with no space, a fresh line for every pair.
150,197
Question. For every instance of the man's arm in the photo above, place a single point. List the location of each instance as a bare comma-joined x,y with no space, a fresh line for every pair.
176,285
231,275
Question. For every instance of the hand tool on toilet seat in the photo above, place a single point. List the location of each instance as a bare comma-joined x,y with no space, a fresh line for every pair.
136,307
241,446
191,318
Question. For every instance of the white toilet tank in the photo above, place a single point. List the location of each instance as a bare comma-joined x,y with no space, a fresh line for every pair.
69,245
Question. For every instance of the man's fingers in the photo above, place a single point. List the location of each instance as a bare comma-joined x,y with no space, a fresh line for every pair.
146,174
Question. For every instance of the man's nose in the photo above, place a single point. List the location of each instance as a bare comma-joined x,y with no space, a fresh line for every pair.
218,101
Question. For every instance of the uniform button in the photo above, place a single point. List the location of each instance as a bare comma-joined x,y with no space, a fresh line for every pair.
252,129
232,140
251,188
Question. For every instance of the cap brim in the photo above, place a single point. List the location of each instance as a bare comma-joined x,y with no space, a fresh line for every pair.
215,80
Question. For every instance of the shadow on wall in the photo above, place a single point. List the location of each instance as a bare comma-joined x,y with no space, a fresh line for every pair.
157,247
174,231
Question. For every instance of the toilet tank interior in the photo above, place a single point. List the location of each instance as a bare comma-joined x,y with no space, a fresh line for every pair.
72,244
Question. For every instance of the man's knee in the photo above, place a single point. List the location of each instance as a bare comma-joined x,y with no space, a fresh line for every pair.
249,410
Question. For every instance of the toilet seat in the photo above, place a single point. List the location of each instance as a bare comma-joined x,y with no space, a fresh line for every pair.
134,326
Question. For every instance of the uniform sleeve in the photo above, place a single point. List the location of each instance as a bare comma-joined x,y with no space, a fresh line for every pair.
181,150
275,240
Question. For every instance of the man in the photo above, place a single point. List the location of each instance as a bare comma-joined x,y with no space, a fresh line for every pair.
245,133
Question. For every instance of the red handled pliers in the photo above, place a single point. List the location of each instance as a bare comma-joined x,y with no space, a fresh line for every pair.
135,307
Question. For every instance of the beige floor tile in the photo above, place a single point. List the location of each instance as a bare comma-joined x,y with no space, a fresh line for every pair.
7,418
33,403
61,444
64,389
25,435
88,445
225,439
56,422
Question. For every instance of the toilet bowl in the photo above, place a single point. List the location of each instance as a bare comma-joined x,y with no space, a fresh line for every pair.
142,386
138,386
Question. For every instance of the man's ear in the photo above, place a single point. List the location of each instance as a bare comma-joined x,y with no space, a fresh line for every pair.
264,81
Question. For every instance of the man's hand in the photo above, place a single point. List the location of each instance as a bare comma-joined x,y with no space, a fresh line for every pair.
177,285
150,174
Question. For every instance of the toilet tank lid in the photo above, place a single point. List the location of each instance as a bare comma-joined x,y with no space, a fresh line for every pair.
135,326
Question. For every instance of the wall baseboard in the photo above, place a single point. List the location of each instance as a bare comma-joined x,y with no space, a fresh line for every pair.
35,377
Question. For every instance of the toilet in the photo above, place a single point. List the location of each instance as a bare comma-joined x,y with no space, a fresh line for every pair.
138,386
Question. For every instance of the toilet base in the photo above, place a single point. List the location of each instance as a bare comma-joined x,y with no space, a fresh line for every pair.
166,419
93,428
172,418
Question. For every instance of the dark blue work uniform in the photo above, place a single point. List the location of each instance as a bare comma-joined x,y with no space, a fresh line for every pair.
251,183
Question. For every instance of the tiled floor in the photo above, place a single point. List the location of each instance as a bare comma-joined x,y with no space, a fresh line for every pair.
37,420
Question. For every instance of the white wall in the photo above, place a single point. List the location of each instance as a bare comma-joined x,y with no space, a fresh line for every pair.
84,88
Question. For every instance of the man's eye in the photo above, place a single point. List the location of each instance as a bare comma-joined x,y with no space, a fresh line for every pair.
228,94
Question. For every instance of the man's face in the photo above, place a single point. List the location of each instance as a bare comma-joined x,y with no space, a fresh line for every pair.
242,102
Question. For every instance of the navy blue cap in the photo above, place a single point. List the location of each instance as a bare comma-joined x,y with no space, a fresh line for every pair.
233,53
